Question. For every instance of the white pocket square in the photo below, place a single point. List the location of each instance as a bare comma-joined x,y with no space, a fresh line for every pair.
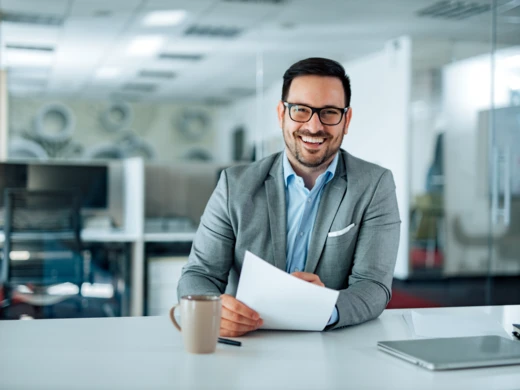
342,231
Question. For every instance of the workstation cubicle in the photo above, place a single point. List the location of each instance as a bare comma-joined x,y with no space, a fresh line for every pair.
138,222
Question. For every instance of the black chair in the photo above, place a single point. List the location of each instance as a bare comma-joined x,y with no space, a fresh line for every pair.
43,254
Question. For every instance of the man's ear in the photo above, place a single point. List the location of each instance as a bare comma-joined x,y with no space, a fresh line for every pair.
348,117
280,109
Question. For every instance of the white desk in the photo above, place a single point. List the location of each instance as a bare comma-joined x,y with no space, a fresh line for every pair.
147,353
169,236
99,235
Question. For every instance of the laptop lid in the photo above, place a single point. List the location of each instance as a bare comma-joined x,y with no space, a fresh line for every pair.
456,352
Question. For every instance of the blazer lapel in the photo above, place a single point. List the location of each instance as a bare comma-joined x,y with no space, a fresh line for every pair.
275,188
331,199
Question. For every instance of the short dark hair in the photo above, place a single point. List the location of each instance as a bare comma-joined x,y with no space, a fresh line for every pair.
317,67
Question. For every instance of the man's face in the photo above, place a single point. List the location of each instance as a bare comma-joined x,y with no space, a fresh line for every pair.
312,144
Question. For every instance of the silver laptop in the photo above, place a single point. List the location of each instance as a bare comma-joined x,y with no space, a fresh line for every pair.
457,352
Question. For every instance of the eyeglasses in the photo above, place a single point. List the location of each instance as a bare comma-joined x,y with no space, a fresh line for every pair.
328,115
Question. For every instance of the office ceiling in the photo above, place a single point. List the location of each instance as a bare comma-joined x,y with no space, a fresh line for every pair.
80,48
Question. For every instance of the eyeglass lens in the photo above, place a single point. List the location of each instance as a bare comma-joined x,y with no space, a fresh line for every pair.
328,115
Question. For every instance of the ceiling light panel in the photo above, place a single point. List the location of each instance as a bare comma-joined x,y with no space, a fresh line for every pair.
164,18
27,35
108,73
146,45
27,58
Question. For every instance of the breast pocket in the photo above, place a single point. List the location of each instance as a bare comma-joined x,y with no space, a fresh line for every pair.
343,236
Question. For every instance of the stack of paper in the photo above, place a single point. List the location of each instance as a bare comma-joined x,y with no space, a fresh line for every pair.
282,300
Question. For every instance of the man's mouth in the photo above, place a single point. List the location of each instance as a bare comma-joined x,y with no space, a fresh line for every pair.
312,140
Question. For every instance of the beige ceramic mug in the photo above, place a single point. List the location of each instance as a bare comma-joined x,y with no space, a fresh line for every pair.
200,315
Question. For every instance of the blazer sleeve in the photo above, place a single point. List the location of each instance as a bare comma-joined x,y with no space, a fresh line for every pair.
370,283
211,256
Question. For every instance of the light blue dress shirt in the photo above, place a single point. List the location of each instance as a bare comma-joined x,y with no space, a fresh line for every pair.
302,207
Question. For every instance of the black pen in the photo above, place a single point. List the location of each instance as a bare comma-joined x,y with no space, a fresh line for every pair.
230,342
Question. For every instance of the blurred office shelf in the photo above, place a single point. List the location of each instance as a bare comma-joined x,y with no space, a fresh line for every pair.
163,276
164,267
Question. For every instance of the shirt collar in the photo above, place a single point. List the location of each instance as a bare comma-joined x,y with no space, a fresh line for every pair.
288,170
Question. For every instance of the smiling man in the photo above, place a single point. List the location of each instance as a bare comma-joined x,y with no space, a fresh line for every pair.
313,210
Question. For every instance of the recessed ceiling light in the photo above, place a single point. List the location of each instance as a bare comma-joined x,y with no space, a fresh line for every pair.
145,45
28,58
164,18
108,73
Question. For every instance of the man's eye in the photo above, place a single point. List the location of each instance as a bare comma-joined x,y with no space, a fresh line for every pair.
331,112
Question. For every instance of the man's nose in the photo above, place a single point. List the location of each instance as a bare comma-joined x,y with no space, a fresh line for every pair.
314,123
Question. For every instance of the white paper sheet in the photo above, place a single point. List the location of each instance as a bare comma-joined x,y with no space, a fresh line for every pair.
446,325
282,300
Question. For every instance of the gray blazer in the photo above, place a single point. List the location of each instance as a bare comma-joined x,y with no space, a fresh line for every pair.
247,212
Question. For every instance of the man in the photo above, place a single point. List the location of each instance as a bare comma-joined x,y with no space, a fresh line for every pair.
313,210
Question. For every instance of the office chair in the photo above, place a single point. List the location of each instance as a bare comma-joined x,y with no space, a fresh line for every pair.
42,256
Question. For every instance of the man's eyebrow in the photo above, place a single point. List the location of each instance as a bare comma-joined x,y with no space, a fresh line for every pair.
308,105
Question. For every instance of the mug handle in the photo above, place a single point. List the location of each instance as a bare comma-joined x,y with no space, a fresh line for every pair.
172,317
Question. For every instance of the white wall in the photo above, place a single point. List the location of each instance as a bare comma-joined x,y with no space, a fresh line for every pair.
379,128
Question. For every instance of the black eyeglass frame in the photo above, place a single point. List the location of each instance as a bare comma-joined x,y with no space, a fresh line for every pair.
317,111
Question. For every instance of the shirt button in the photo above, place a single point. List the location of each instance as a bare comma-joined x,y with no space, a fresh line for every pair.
309,200
296,270
301,234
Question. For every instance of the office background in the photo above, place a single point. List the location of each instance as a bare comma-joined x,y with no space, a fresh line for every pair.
164,94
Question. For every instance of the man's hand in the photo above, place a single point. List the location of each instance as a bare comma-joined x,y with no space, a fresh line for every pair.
237,318
308,277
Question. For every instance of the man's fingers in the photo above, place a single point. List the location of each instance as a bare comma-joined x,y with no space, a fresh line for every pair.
236,306
233,329
230,333
308,277
235,317
305,276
